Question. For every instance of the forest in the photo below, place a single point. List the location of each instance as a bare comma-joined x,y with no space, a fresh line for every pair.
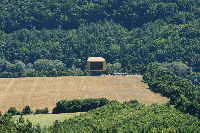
159,39
48,35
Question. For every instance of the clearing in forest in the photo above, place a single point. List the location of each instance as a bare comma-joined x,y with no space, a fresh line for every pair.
46,119
41,92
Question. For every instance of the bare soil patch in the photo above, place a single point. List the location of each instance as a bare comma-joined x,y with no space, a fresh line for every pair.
41,92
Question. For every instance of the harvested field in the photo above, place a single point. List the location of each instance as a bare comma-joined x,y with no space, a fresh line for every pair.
41,92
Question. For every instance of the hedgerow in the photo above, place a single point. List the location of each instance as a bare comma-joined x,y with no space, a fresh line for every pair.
64,106
42,111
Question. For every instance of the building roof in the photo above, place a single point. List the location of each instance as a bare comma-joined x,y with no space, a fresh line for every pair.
96,59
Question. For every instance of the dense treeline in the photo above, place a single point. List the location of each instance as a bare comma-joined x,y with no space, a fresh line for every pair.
114,117
182,93
128,32
110,41
70,14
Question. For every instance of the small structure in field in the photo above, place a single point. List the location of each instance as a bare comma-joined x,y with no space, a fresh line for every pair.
96,64
120,74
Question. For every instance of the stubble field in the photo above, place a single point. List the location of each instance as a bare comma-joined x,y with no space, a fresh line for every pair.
41,92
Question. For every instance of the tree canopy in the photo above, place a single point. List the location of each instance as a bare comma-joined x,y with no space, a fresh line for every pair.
128,32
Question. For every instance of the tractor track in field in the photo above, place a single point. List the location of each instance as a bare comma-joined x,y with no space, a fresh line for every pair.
5,92
32,88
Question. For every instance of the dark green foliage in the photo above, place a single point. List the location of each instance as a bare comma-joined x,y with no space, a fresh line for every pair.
42,111
55,38
8,125
182,70
13,111
27,110
129,117
19,113
36,34
64,106
70,14
182,93
57,126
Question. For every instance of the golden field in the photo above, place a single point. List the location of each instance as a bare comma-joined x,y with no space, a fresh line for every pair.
41,92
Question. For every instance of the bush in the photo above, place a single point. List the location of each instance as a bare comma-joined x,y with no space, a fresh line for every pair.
19,113
42,111
12,110
38,111
27,110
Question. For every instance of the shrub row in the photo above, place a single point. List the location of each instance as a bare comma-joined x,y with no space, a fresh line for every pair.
64,106
182,93
42,111
26,110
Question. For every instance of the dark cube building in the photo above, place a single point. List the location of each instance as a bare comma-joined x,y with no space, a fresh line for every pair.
96,64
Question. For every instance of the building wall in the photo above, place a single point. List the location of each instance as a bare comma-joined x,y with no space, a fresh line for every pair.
104,65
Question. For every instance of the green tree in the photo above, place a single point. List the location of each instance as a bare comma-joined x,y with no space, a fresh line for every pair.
27,110
12,110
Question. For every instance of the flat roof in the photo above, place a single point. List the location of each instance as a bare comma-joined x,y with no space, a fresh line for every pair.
96,59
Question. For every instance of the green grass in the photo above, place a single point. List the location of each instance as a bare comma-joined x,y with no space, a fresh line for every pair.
46,119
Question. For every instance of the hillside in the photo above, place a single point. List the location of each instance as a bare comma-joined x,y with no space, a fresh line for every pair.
129,117
47,42
41,92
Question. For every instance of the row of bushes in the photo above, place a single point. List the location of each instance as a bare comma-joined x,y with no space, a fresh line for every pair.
26,110
64,106
182,93
42,111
